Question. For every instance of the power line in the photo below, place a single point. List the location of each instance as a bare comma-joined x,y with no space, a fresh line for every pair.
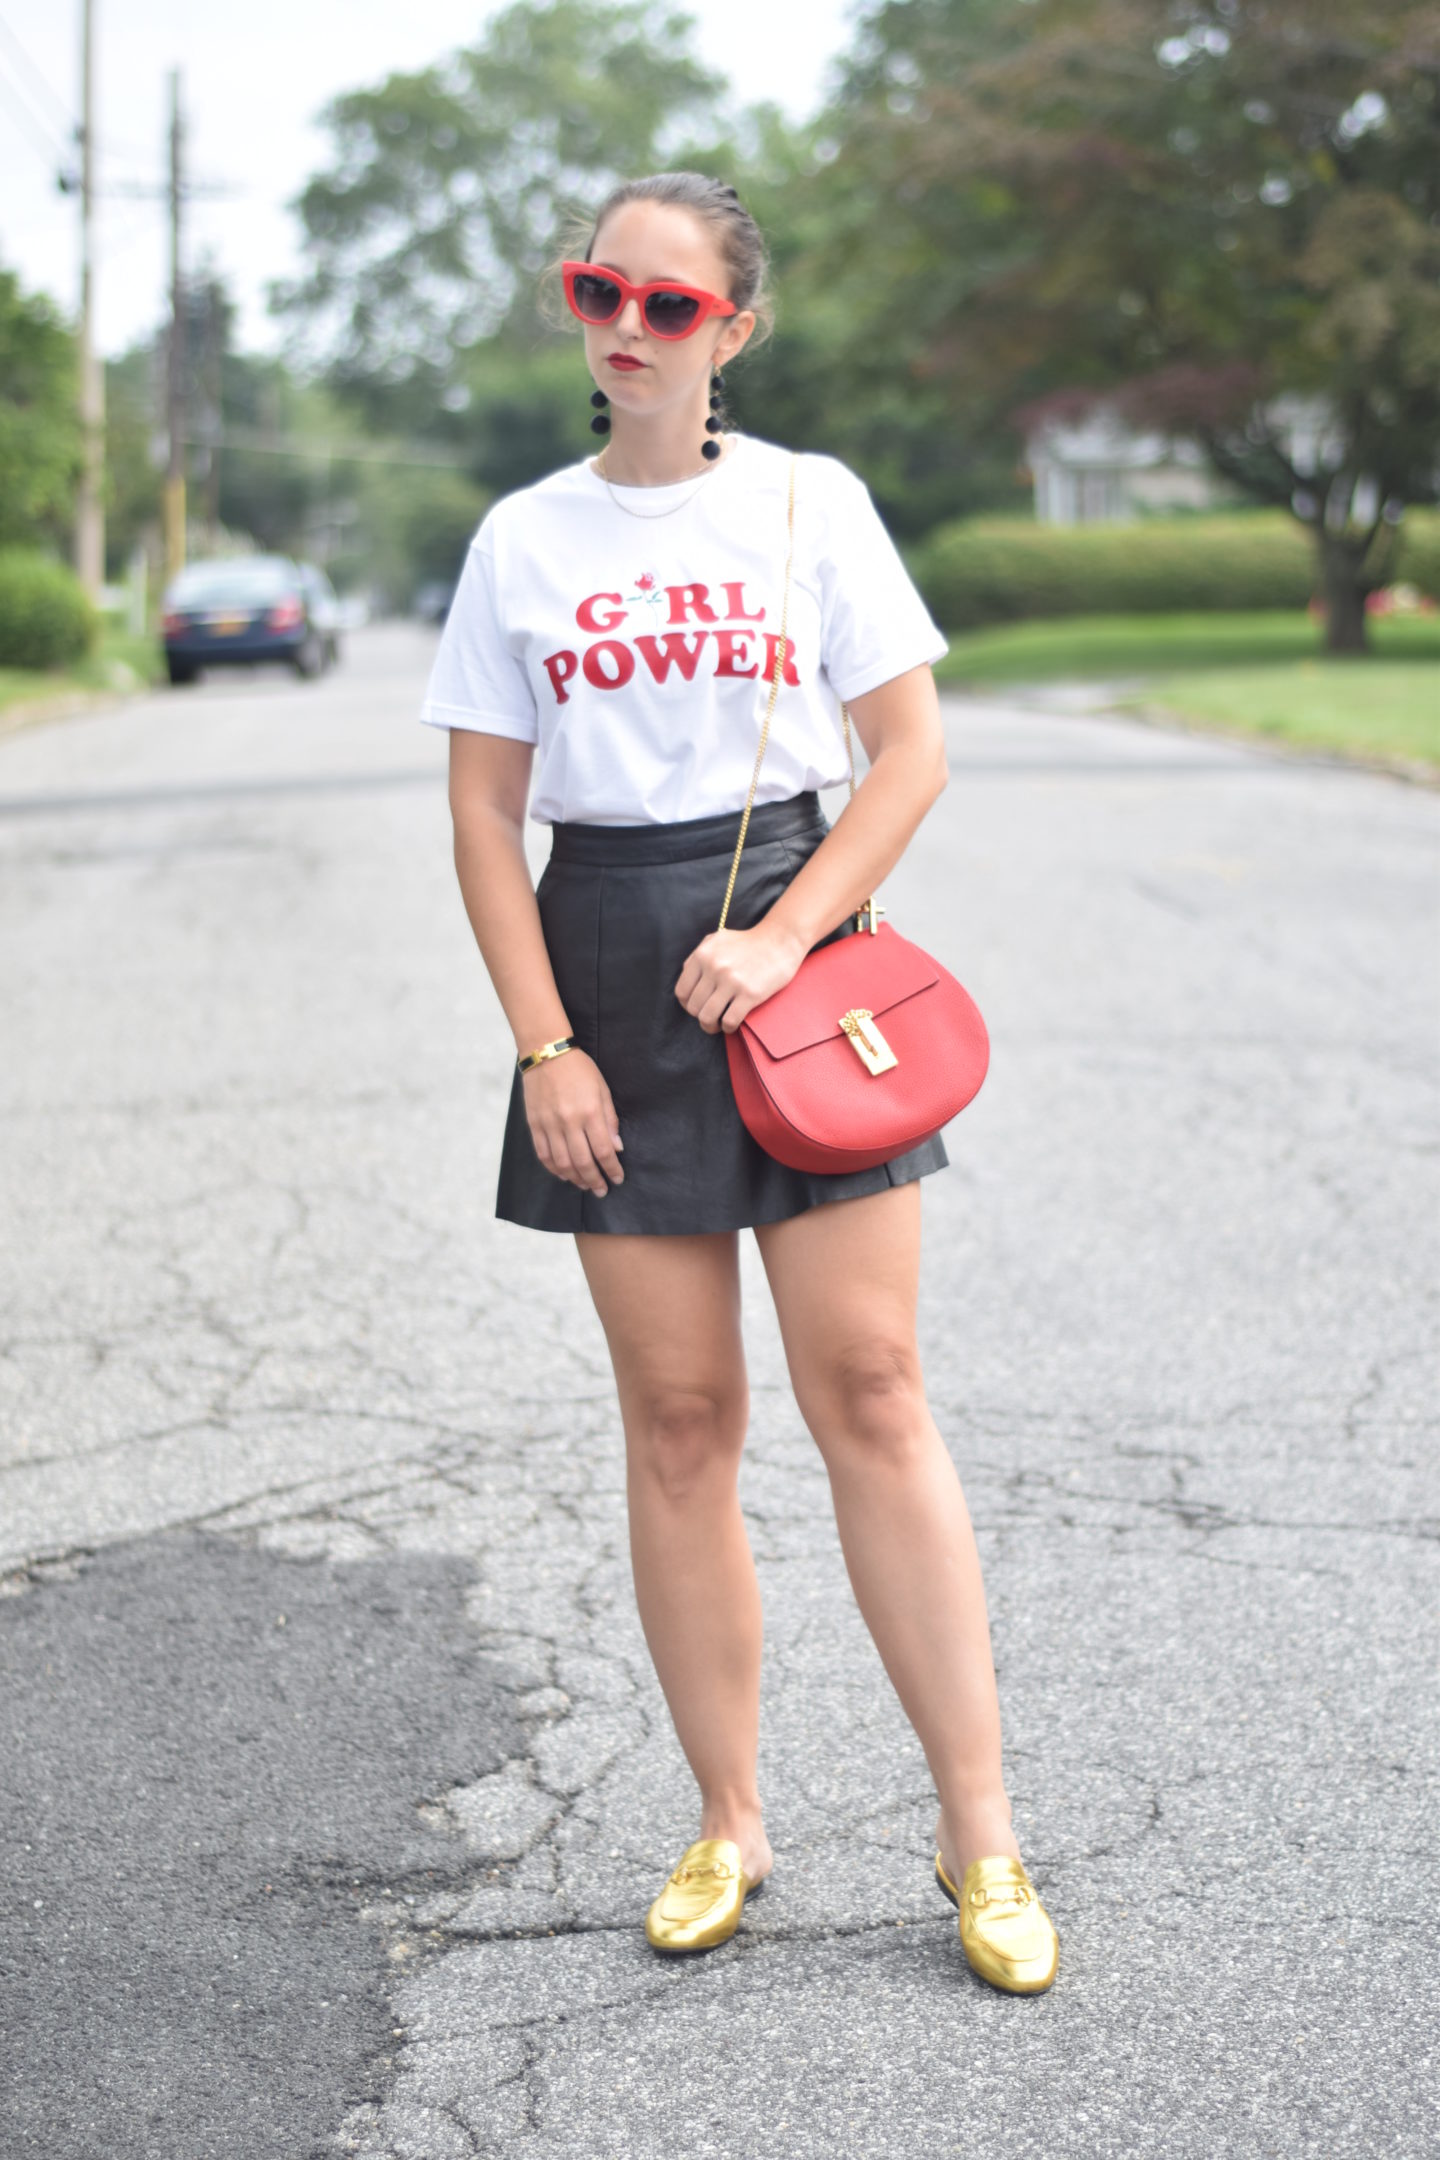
121,146
121,236
67,118
34,126
159,190
308,449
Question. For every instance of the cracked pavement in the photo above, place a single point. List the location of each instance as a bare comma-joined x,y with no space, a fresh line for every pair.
1178,1320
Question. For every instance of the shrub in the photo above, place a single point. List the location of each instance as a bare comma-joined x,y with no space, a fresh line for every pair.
1418,560
45,619
993,570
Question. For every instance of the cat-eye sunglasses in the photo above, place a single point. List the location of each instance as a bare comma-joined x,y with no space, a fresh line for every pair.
667,309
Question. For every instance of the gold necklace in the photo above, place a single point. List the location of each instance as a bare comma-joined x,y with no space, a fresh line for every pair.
649,516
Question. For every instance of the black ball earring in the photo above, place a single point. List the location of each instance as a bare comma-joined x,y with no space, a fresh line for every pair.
600,425
715,424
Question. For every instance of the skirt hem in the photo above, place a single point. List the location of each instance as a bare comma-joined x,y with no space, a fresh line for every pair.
571,1200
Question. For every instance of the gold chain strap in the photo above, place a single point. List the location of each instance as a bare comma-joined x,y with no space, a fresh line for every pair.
781,649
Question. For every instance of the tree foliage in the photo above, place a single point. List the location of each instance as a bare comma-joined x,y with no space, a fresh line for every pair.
1223,211
1220,214
414,523
845,374
447,186
133,401
39,424
251,490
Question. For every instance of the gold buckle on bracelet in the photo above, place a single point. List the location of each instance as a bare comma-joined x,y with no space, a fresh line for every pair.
561,1044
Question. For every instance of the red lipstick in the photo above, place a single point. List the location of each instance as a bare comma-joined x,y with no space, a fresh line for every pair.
623,360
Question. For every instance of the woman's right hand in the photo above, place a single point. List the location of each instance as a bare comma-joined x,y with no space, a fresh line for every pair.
573,1122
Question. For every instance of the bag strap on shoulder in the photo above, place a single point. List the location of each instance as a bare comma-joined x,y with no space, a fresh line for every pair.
781,650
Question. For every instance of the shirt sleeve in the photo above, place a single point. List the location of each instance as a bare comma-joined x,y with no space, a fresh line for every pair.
476,680
874,624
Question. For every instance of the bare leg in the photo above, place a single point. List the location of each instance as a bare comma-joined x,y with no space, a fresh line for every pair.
670,1308
844,1277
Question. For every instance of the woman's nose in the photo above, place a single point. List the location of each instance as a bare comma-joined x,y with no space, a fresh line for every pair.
630,319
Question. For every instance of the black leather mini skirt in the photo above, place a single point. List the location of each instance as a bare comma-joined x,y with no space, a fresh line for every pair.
622,907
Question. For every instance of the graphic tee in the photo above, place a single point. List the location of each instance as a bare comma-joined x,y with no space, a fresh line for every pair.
637,652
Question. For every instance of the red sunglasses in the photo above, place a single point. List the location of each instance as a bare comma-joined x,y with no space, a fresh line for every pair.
668,310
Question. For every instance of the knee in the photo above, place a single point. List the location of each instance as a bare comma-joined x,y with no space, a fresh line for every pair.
870,1401
684,1436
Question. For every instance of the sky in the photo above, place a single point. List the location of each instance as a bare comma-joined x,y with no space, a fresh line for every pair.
253,79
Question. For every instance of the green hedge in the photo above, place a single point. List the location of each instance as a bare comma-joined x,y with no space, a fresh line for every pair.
1418,561
45,619
993,570
980,571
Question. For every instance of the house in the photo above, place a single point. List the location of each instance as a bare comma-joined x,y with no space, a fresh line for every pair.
1090,467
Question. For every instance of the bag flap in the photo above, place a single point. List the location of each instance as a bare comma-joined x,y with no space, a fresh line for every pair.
877,972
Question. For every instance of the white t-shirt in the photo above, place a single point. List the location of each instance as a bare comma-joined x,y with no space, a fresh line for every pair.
637,655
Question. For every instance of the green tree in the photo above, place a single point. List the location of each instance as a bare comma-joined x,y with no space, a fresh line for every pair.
447,186
251,484
414,523
1226,213
39,424
277,473
848,372
133,402
448,192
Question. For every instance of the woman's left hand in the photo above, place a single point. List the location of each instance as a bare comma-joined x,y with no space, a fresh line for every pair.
731,971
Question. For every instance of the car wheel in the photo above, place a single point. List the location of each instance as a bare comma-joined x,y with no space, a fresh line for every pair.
310,658
181,671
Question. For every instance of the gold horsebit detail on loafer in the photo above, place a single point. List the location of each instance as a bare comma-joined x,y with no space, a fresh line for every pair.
702,1900
990,1912
1005,1894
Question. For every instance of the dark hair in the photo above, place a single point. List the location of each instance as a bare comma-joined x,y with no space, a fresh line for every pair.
716,204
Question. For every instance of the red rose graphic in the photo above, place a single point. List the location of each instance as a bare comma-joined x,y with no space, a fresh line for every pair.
647,591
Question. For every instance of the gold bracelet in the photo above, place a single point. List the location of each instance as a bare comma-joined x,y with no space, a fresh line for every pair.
546,1050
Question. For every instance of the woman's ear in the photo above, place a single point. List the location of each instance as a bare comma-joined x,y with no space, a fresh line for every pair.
733,338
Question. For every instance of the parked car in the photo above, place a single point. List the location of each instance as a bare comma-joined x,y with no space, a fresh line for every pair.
250,607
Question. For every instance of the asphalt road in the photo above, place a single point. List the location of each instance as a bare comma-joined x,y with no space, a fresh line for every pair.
335,1780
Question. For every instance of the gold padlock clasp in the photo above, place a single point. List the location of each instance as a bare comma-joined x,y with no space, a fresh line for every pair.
866,1040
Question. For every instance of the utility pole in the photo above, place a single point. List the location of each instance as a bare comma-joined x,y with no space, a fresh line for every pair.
90,505
174,193
175,398
213,399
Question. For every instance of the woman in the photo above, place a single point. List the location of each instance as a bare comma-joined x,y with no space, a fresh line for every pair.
621,616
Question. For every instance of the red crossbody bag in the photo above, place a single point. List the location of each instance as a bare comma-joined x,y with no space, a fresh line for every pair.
871,1046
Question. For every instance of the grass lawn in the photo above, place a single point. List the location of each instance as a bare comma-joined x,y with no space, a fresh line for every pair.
1388,710
117,650
1104,645
1263,674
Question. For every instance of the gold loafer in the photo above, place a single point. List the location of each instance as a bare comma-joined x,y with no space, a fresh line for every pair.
1005,1931
702,1900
